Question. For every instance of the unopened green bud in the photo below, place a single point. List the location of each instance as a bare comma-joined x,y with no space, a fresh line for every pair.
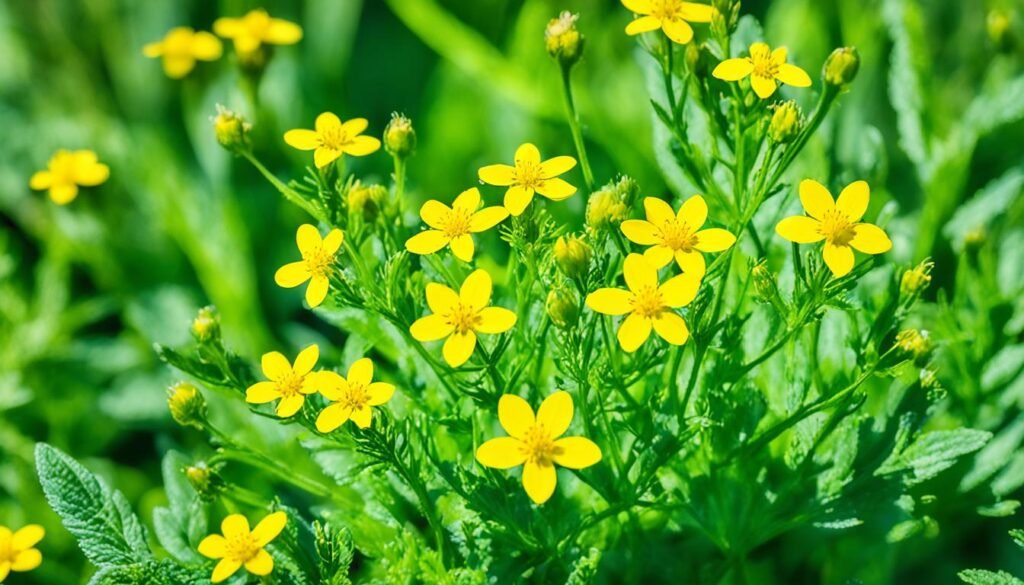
765,286
572,255
914,344
975,239
914,281
604,209
563,41
366,200
998,24
187,405
841,66
206,325
205,481
562,307
399,136
699,60
231,129
725,17
786,123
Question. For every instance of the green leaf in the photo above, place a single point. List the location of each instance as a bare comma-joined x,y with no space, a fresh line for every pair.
934,452
1000,509
996,455
989,203
180,527
982,577
1003,367
150,573
107,530
906,72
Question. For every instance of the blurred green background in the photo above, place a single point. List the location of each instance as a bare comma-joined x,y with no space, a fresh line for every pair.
934,121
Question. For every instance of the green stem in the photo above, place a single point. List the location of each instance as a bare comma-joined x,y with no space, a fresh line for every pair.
289,193
574,125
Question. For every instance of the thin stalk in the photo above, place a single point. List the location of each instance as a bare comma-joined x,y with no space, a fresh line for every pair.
574,126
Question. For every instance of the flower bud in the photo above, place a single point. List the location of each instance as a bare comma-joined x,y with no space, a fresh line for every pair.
205,481
725,17
604,209
562,307
928,379
765,287
786,123
699,60
841,66
206,325
572,255
187,405
231,129
914,281
399,136
562,40
975,239
367,200
998,24
914,344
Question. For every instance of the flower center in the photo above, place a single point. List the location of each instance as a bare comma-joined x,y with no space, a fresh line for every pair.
463,318
290,385
334,138
539,445
764,65
356,397
667,9
836,228
678,236
457,222
257,22
647,301
62,168
242,548
318,261
528,174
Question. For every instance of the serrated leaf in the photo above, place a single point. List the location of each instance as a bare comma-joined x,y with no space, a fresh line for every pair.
996,455
934,452
149,573
982,577
990,202
906,72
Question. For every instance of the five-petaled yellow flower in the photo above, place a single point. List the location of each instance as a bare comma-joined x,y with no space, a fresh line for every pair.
765,67
181,47
837,222
288,382
671,16
17,552
316,265
453,225
333,138
534,443
647,303
529,176
677,235
351,396
257,28
68,170
460,316
239,546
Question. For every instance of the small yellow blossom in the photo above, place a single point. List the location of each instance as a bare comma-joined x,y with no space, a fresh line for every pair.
240,546
534,443
16,549
333,138
452,226
181,47
257,28
288,382
648,304
673,17
351,396
677,235
529,176
461,316
765,67
917,279
837,223
187,405
317,263
68,170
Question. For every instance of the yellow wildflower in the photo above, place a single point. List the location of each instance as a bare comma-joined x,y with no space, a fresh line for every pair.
648,304
529,176
673,17
453,225
534,443
677,235
460,316
351,396
68,170
288,382
317,262
239,546
16,549
256,28
181,47
333,138
917,279
837,223
765,67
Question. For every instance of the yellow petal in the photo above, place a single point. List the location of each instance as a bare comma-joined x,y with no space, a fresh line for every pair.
316,292
495,320
333,417
641,232
779,55
91,173
498,175
63,193
224,569
328,383
793,75
262,393
694,212
733,69
555,413
556,166
515,415
178,66
5,569
576,452
333,240
463,247
694,12
527,153
306,359
436,214
487,218
760,51
870,239
307,238
816,199
800,229
268,528
431,328
678,30
671,327
261,564
468,199
642,25
227,27
517,198
853,200
292,274
362,416
355,126
501,453
327,122
362,146
638,6
379,392
458,348
40,180
27,560
440,298
282,32
764,87
556,189
360,372
633,332
610,301
27,537
289,405
206,47
639,273
539,481
839,259
476,289
275,365
659,256
691,263
680,290
325,156
658,212
214,546
153,50
302,139
714,240
427,242
234,525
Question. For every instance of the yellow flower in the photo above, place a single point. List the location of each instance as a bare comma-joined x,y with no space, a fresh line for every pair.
288,382
671,16
765,67
16,549
352,396
529,176
257,28
316,265
837,223
239,546
68,170
534,443
648,304
677,235
181,47
333,138
460,316
453,225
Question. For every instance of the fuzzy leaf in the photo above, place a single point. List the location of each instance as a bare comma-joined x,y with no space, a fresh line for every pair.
982,577
933,452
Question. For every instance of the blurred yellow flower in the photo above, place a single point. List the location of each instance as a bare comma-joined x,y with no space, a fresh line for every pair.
460,316
333,138
16,549
239,546
837,223
453,225
68,170
648,304
317,262
671,16
181,47
534,443
765,67
529,176
256,28
677,235
351,396
288,382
